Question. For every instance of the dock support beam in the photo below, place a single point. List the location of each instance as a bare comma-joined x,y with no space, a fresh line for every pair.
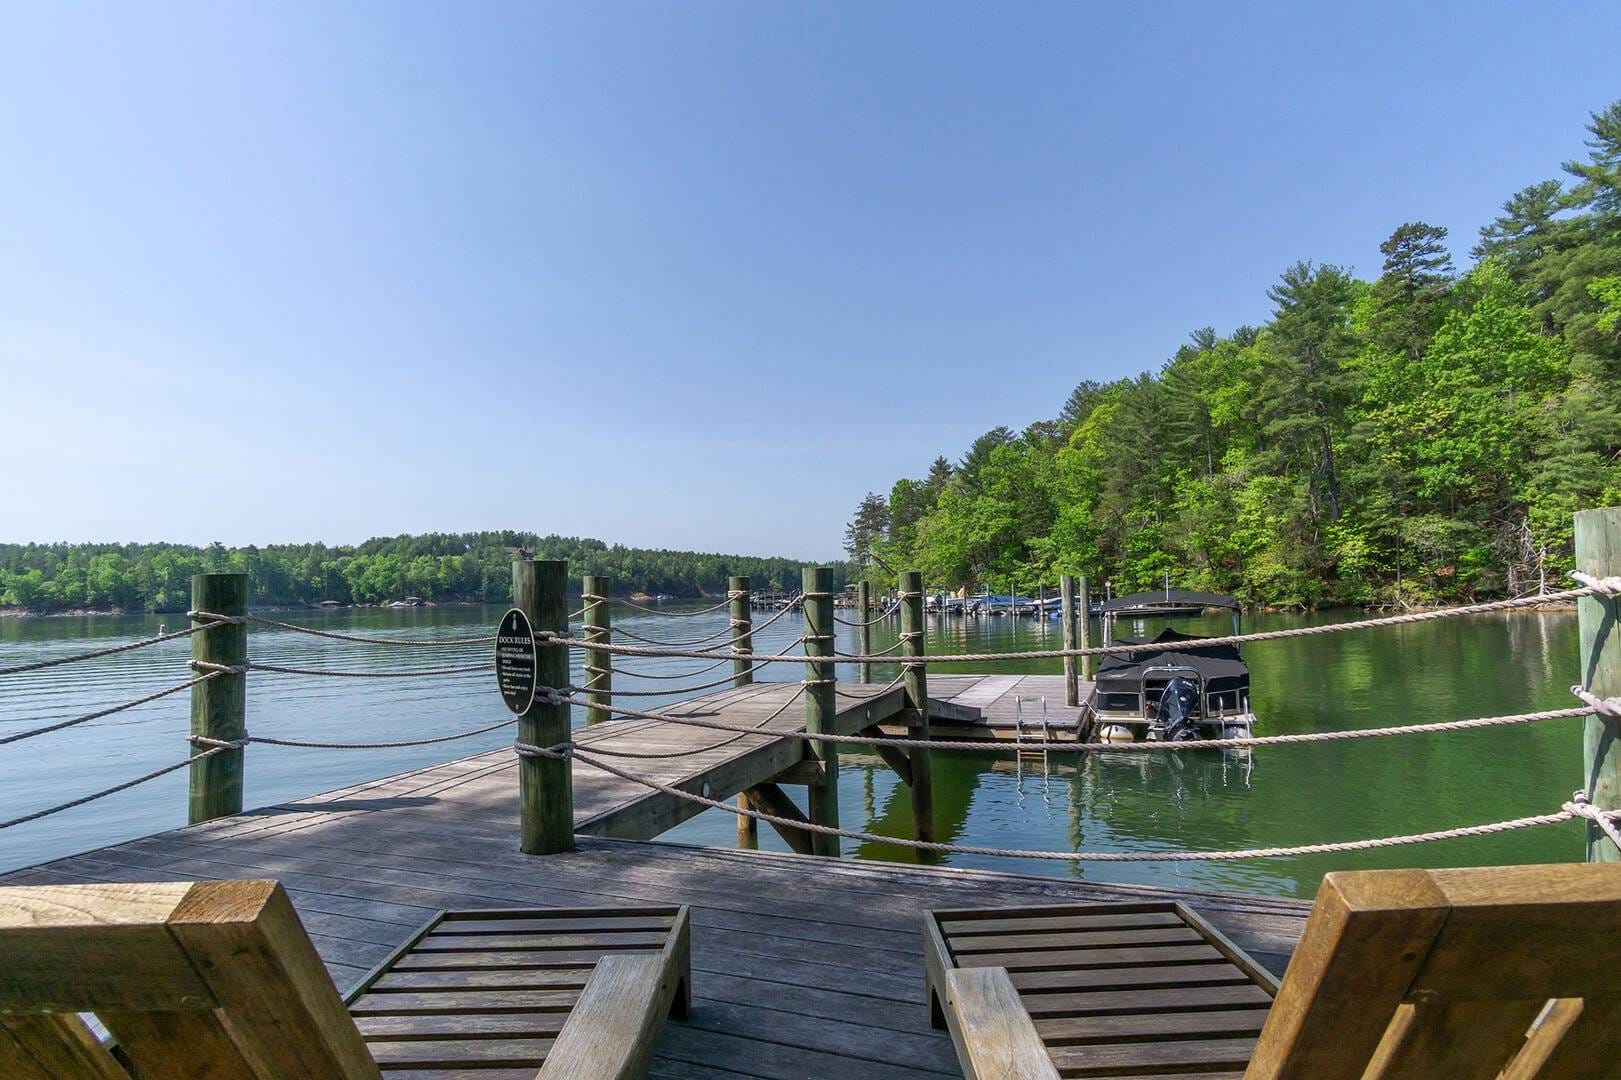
219,705
1598,552
599,671
921,780
545,785
1066,615
821,706
768,798
864,614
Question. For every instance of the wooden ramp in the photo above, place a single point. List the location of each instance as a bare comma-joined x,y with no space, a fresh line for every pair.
802,966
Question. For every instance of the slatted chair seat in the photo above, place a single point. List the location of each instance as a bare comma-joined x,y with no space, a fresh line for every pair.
1478,973
219,979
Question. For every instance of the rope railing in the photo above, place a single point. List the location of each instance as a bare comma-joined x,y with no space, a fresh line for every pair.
887,613
673,614
1577,808
1075,746
706,669
724,681
283,669
115,789
108,711
1605,586
359,639
112,650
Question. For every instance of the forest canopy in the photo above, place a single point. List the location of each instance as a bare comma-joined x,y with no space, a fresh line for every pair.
442,567
1421,437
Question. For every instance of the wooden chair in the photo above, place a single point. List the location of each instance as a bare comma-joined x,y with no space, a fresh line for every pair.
1477,973
219,979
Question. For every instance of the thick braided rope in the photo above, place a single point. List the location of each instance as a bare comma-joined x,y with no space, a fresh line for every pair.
110,710
679,614
661,675
742,733
279,669
880,617
574,751
1076,747
677,689
357,638
115,789
882,690
723,632
1162,646
156,639
233,744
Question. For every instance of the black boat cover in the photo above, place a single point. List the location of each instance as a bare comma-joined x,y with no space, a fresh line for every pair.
1169,598
1220,665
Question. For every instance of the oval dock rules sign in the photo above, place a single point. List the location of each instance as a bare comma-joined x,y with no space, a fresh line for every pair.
516,665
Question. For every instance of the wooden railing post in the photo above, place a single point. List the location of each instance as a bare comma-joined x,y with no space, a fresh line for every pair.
864,614
1066,615
738,590
545,785
1598,552
599,669
821,705
1084,623
917,703
219,704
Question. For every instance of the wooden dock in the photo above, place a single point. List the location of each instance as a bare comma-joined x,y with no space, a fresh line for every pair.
803,966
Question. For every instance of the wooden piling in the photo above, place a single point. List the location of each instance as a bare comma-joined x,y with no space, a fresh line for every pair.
1066,615
218,705
864,614
1598,552
545,785
1084,624
742,620
739,590
599,672
821,705
916,682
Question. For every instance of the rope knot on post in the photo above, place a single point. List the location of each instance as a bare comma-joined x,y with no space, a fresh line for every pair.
1582,806
1608,586
218,744
1610,706
219,669
213,617
556,752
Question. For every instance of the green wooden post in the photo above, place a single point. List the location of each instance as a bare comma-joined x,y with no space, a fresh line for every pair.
917,703
545,785
1598,552
821,705
1066,615
219,705
1083,619
864,613
738,590
599,669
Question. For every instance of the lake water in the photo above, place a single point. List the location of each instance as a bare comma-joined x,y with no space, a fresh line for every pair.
1443,670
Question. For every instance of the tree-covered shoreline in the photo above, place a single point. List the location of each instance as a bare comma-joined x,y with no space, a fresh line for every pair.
435,567
1421,438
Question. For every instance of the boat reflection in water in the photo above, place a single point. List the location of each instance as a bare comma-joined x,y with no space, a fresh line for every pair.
1159,693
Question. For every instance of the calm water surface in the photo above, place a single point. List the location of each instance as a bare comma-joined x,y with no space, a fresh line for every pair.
1164,801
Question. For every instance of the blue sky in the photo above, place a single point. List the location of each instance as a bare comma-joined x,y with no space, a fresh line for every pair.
679,275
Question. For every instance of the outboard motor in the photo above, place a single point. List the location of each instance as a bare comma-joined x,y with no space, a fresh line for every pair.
1176,707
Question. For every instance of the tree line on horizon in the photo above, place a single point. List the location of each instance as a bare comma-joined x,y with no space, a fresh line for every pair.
1418,438
439,567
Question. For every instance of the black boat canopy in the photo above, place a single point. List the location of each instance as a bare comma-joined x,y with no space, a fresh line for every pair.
1169,598
1217,663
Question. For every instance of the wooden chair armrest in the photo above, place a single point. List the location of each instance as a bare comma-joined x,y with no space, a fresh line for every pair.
994,1034
612,1030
